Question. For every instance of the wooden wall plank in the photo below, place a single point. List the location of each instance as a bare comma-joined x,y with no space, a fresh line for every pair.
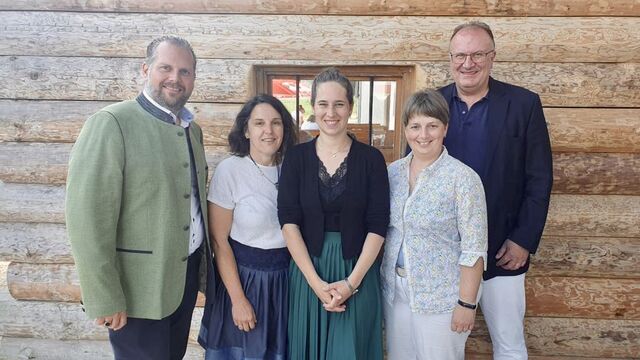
46,163
573,85
569,337
596,173
275,37
352,7
586,256
59,321
580,297
567,297
37,243
571,129
43,349
43,121
594,130
569,215
597,257
593,215
62,78
574,173
50,78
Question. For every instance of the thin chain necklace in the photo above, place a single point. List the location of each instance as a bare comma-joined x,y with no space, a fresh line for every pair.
333,154
264,175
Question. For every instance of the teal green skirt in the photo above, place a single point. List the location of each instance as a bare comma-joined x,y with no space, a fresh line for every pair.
316,334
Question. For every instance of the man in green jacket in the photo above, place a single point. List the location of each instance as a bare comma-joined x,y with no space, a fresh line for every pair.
136,210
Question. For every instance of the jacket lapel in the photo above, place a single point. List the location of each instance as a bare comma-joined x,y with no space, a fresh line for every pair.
497,115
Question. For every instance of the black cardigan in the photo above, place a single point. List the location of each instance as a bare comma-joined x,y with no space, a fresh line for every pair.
366,205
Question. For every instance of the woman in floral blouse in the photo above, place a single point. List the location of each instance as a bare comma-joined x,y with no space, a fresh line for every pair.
436,245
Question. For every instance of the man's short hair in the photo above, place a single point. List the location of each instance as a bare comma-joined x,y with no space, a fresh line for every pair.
173,40
474,25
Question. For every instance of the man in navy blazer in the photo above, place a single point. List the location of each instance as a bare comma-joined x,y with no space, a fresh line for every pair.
499,130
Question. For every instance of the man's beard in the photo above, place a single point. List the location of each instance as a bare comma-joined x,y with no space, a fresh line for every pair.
173,104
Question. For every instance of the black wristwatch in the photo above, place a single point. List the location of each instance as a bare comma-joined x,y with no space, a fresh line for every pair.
467,305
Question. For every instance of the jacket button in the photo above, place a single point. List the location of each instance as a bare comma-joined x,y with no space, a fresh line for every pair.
186,196
185,228
184,258
180,133
185,165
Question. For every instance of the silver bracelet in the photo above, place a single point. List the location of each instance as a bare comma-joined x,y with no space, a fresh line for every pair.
353,291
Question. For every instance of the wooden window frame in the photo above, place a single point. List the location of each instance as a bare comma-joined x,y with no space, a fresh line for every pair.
404,75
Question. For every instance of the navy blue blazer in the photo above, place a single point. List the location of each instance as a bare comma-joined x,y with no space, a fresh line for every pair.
518,175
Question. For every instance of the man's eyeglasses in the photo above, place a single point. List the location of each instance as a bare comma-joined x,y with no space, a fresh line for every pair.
477,57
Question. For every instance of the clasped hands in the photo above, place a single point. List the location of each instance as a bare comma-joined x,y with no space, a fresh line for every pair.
332,295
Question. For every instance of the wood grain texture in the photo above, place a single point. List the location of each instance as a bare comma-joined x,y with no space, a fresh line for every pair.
567,297
594,130
59,321
46,163
569,337
275,37
593,215
64,78
596,173
51,78
578,297
574,173
598,257
572,85
570,129
29,348
569,215
352,7
43,121
36,243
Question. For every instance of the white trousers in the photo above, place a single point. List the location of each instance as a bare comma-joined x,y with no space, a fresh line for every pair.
503,305
412,336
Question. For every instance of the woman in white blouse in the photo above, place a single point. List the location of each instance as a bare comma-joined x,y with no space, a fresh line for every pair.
247,316
436,245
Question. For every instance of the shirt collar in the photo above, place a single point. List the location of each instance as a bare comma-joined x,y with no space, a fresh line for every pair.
434,165
164,114
455,94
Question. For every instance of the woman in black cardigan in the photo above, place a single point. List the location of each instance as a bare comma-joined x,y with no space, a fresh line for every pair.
333,206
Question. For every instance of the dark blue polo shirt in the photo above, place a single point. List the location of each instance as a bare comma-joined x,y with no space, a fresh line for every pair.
467,135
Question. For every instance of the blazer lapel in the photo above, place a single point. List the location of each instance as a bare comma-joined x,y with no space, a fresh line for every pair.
497,116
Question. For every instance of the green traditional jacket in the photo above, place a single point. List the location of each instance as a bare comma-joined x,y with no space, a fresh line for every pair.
128,210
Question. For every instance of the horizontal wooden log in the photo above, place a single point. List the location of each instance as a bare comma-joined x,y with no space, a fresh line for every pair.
584,173
48,282
579,297
352,7
586,256
594,130
42,349
573,85
63,78
593,215
43,121
41,163
117,79
59,321
274,37
548,337
574,173
35,243
598,257
547,296
571,129
569,215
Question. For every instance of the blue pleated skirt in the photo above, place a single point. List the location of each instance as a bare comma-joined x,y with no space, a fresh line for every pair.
264,277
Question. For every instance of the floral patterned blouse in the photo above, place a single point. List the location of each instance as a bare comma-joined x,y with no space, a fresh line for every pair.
443,224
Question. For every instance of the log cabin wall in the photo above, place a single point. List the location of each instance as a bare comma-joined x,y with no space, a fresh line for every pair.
62,60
